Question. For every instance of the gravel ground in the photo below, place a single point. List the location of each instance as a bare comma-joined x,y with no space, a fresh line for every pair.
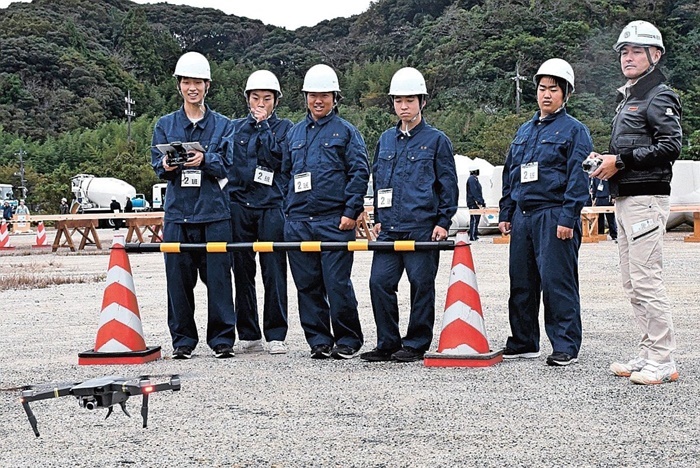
292,411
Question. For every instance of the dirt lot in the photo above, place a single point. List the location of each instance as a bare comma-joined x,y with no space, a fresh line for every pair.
289,410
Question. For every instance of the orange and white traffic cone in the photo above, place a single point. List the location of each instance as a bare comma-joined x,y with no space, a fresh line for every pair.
4,237
463,341
120,334
40,236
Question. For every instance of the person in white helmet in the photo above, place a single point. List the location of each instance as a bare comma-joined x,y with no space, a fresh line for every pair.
544,190
646,140
326,164
63,207
256,188
415,197
196,211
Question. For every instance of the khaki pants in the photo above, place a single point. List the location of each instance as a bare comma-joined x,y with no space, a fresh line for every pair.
641,222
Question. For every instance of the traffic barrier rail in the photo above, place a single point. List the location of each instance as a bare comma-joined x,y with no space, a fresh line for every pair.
304,246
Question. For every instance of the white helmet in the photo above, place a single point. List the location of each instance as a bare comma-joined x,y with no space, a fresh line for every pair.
63,200
193,65
321,79
558,68
640,33
408,82
263,79
473,167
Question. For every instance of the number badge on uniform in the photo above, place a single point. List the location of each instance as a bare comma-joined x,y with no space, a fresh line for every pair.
528,172
263,175
191,178
302,182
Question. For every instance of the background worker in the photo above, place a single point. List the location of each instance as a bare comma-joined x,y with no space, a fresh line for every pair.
415,197
7,214
544,190
22,209
63,208
256,193
326,164
475,201
196,211
646,139
116,207
600,193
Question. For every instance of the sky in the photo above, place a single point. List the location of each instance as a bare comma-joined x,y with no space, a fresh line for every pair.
290,14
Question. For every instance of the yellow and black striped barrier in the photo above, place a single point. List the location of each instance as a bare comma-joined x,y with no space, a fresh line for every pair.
305,246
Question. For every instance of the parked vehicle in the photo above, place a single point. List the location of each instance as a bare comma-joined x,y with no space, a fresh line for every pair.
7,193
94,195
159,196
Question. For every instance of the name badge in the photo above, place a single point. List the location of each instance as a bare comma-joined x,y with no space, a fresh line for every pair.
528,172
263,175
302,182
384,197
191,178
600,187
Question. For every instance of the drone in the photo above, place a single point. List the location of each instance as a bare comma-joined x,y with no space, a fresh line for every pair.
102,392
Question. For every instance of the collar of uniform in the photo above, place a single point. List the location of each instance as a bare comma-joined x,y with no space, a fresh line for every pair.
413,131
643,85
186,122
322,121
550,117
251,120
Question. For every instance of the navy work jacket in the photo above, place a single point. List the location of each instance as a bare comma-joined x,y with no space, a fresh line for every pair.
333,151
257,144
206,203
558,144
475,196
420,170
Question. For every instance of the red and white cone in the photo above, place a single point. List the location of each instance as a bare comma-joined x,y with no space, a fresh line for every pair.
120,333
463,341
4,237
41,240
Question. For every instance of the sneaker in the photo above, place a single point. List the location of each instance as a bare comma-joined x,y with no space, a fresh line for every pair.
277,347
343,352
625,369
509,353
322,351
182,352
561,359
377,355
223,351
654,373
250,346
408,354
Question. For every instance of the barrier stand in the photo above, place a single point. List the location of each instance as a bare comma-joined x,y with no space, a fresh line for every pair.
86,228
141,226
695,236
21,224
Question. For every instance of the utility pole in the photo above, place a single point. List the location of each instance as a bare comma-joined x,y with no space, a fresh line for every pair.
518,90
22,183
129,114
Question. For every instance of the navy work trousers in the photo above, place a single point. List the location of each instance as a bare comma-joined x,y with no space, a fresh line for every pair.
325,293
542,264
251,225
421,269
181,271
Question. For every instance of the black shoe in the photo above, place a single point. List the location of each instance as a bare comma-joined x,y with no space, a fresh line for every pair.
377,355
322,351
343,352
223,351
560,359
509,353
407,354
182,352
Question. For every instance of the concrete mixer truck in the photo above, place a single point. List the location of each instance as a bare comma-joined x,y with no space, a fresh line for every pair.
94,195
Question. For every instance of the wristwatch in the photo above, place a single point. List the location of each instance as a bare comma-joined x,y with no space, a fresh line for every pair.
619,165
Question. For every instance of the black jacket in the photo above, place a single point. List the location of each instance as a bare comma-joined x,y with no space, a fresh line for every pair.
646,133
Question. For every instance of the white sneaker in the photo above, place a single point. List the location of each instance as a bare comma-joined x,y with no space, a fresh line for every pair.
654,373
253,346
625,369
277,347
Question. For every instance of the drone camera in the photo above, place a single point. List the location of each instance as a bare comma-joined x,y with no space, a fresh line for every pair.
88,403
